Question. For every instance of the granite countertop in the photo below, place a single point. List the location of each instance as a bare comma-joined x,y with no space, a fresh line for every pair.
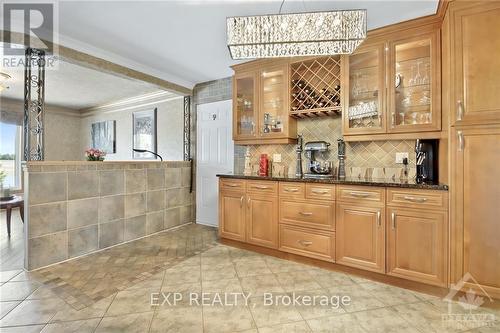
349,181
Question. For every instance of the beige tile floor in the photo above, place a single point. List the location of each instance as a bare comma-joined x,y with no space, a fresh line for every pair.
28,305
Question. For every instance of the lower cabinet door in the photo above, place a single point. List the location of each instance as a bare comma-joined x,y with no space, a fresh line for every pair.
360,237
262,220
417,245
232,215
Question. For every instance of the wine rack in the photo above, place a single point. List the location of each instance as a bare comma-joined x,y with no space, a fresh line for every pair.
315,87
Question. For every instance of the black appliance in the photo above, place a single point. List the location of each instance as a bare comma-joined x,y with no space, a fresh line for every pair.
426,152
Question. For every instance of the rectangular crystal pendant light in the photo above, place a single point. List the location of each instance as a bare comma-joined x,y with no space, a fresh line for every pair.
301,34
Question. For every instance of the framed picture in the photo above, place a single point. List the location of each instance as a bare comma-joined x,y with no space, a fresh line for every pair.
144,133
103,136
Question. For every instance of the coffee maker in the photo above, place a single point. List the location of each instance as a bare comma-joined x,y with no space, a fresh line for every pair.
317,166
426,152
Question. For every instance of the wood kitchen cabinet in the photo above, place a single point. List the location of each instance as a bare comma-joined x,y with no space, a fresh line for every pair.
248,211
261,91
262,220
232,215
414,77
475,207
363,75
360,236
473,48
245,106
416,245
394,87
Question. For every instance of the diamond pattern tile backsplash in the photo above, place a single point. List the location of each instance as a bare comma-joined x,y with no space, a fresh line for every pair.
367,154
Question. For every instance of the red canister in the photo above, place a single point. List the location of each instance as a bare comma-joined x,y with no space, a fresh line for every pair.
263,165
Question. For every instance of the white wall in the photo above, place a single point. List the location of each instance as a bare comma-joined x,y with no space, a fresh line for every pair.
170,114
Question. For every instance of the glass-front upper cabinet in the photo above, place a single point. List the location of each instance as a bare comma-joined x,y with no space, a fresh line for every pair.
364,98
414,96
245,103
274,91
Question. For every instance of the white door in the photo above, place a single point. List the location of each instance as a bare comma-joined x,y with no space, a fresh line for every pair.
214,155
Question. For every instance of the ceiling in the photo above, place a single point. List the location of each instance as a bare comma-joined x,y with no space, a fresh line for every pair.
184,41
76,87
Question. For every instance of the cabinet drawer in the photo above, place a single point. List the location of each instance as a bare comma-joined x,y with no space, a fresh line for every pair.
308,213
306,242
261,187
292,190
366,194
417,199
232,184
320,192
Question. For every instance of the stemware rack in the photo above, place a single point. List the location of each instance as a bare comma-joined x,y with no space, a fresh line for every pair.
315,87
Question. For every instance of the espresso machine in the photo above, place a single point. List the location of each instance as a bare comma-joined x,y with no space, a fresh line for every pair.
317,165
426,158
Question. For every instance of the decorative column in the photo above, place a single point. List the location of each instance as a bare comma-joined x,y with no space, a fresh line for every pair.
187,128
34,103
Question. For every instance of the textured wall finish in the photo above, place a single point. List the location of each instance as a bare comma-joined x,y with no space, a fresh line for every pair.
75,208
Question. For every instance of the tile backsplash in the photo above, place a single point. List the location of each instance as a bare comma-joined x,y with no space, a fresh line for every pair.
364,155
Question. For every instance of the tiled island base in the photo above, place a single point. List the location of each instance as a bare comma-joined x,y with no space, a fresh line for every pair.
76,208
31,305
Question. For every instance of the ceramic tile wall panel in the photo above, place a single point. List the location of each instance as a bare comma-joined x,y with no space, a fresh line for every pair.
369,154
96,205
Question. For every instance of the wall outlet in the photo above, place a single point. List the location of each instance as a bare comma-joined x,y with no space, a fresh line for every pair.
400,156
277,158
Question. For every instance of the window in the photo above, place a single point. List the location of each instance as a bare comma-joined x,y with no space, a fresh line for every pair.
10,154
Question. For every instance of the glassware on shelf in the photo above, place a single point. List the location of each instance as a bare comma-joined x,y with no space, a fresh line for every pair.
425,99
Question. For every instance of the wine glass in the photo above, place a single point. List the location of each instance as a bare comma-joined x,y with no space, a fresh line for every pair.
418,78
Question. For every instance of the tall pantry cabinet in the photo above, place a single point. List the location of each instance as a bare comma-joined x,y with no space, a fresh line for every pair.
471,94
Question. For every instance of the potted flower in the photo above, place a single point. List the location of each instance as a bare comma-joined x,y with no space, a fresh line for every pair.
93,154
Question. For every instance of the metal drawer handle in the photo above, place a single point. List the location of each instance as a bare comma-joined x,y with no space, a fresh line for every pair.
261,187
413,199
319,191
460,140
460,110
304,243
286,189
360,194
241,201
379,222
248,202
232,185
305,213
393,219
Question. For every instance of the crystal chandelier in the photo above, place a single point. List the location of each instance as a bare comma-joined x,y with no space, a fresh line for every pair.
301,34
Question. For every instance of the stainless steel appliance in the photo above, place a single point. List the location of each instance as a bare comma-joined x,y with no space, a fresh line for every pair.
426,158
317,165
